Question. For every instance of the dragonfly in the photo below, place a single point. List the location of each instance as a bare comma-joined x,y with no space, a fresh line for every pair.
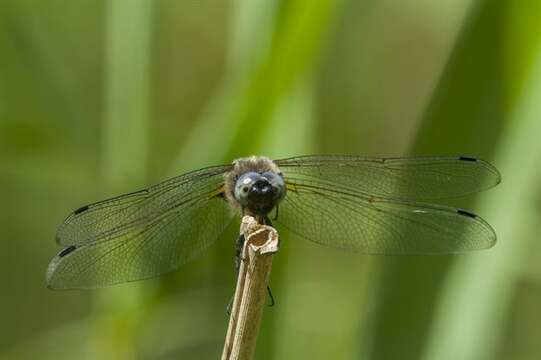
368,205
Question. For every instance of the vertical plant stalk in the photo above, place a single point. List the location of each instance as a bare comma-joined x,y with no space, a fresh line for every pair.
470,319
124,154
127,101
260,244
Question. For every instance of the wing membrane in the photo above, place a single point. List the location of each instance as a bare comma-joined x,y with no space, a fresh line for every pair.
370,225
121,213
421,178
141,235
368,205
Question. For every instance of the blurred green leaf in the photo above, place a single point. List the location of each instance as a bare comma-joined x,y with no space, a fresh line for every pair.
467,105
478,293
99,98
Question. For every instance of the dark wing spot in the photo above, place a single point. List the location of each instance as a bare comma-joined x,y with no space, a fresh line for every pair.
465,213
466,158
80,210
67,251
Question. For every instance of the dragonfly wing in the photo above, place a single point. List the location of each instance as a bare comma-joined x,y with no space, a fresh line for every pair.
417,179
121,213
148,240
371,225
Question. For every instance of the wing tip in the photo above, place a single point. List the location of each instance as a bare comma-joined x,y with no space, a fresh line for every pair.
491,239
50,275
496,178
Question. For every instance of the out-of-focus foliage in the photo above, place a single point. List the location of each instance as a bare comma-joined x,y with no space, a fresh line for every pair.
102,97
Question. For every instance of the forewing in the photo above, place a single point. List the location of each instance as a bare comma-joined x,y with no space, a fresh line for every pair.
420,178
125,212
148,241
371,225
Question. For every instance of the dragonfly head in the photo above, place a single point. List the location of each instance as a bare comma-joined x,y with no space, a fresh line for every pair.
259,192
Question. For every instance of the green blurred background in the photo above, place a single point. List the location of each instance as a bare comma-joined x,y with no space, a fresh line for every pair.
103,97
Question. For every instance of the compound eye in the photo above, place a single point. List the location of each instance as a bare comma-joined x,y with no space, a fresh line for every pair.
273,178
243,186
277,182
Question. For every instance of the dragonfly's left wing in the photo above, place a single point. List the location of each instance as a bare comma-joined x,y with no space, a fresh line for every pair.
142,234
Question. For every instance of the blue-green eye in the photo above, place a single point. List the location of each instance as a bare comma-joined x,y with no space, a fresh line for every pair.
277,182
243,186
251,186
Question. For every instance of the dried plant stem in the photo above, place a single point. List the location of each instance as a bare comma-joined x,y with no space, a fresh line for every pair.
260,244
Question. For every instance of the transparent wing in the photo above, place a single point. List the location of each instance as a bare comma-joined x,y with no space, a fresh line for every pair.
420,178
372,225
122,213
141,235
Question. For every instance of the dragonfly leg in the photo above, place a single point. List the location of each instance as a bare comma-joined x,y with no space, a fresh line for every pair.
238,258
238,252
270,296
228,307
267,221
276,213
230,303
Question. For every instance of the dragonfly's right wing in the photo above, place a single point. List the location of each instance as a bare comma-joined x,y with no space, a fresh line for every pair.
143,234
406,178
373,205
350,221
